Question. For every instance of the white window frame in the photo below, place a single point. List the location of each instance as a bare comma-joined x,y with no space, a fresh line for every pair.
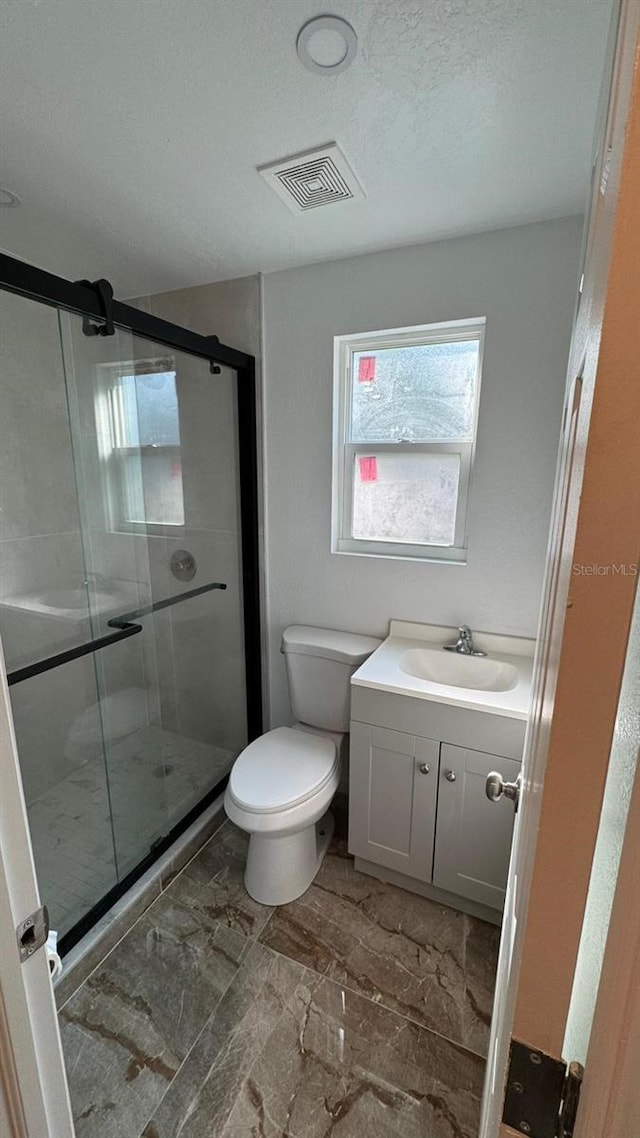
345,451
111,450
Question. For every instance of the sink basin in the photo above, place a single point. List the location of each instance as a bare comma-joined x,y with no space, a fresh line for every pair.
452,669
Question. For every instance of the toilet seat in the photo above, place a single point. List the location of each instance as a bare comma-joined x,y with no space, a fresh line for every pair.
282,769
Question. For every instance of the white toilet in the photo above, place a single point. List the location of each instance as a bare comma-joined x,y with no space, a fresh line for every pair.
282,784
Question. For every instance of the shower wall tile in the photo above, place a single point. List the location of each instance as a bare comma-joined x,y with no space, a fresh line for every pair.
228,309
36,467
33,566
120,557
200,645
217,556
209,444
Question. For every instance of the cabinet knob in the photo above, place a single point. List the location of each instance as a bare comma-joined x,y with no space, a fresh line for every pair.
424,768
451,776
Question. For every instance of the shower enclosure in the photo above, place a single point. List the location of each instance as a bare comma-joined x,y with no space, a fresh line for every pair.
129,610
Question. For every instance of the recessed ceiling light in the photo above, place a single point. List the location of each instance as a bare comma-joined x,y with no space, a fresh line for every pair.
327,45
7,198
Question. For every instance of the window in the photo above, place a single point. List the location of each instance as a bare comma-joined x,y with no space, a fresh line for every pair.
405,412
144,458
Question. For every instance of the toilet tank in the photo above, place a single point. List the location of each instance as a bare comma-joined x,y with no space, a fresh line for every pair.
320,664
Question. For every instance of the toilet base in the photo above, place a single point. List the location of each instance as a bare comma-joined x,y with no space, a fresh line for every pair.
281,868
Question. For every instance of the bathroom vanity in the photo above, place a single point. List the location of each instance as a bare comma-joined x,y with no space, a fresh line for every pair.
423,741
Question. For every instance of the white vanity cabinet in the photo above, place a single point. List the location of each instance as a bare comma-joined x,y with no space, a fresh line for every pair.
418,811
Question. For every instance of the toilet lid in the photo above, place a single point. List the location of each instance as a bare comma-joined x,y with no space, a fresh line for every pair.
281,769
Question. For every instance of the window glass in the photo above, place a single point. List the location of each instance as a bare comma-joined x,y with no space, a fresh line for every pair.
149,410
147,467
405,497
152,488
422,392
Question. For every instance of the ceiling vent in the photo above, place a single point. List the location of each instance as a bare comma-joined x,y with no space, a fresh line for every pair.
313,179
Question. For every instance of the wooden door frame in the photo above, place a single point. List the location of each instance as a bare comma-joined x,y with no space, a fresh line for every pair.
592,640
586,612
610,1101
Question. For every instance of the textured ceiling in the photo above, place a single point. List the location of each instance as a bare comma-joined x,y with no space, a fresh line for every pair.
132,128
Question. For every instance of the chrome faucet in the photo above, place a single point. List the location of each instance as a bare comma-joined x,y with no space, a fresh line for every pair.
464,644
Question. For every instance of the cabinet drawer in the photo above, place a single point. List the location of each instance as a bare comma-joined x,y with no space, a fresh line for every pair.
392,799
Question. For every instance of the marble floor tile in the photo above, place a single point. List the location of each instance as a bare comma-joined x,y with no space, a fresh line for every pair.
126,1031
214,883
428,962
104,936
290,1054
481,959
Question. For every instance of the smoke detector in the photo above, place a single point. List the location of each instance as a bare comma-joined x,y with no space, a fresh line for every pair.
327,45
312,179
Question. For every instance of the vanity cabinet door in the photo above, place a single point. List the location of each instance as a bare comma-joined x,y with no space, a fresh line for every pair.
393,785
473,837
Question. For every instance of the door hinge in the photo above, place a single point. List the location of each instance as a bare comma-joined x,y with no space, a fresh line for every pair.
542,1093
32,933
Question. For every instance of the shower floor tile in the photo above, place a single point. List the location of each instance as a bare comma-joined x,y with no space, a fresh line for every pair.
152,779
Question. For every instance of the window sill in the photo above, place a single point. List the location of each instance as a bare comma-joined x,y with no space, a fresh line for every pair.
452,557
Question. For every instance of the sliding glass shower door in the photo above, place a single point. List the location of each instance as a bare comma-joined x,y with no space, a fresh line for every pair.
155,440
119,507
45,610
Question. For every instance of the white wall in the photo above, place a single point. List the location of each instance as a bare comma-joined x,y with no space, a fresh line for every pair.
523,280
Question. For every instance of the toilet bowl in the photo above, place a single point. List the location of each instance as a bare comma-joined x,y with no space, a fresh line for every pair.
282,784
279,792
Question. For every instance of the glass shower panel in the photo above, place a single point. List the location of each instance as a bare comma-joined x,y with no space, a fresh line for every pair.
108,466
44,609
119,504
155,442
200,641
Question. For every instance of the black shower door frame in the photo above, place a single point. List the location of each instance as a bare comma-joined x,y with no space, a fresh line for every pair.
101,313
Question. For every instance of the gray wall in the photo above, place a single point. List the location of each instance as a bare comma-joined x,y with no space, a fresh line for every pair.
523,280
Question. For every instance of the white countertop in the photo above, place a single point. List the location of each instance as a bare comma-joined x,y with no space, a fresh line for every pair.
382,669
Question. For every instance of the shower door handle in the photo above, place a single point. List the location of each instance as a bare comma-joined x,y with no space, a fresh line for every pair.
124,626
51,662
